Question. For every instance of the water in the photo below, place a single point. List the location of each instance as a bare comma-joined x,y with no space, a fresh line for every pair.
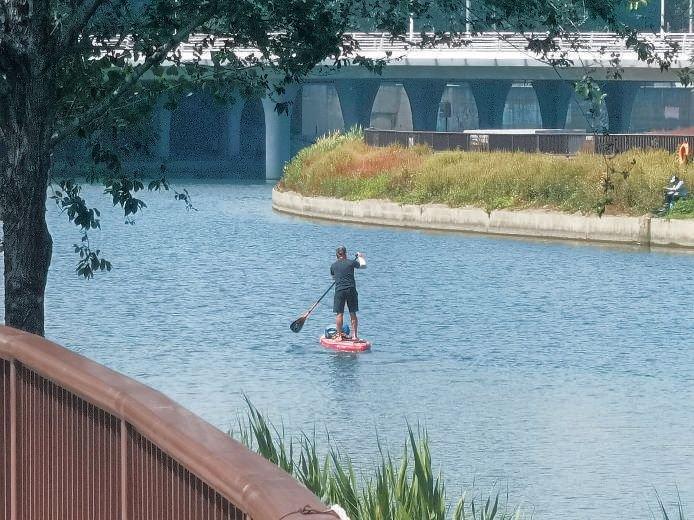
561,372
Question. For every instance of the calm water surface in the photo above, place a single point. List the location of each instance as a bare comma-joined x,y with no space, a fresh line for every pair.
562,372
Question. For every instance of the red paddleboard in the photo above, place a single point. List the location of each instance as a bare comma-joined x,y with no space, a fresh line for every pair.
345,345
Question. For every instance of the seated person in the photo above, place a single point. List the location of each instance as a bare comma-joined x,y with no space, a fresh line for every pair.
675,190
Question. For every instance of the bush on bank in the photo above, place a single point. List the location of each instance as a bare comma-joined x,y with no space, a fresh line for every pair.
344,166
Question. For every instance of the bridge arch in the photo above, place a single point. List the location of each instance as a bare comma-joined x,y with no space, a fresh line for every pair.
579,116
522,109
316,112
662,106
463,109
391,108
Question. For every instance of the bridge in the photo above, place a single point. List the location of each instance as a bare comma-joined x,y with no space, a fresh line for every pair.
487,65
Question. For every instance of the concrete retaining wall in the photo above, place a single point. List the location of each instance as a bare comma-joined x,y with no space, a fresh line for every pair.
529,223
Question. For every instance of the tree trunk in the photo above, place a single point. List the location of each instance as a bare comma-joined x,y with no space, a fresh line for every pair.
28,244
23,185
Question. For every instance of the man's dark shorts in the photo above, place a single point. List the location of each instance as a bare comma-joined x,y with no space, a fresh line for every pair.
348,296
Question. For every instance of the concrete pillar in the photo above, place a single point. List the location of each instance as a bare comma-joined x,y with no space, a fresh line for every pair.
233,144
356,100
490,97
163,122
553,97
619,102
425,97
277,134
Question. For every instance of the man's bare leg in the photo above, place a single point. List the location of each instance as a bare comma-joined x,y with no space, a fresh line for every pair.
339,320
355,324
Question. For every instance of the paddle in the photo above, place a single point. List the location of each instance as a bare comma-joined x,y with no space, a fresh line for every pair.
299,322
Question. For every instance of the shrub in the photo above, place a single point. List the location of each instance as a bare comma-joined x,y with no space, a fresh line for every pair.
343,165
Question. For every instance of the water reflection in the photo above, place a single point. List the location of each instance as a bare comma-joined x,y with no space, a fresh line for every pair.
344,373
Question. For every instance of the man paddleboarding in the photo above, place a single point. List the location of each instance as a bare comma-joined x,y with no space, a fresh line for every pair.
342,271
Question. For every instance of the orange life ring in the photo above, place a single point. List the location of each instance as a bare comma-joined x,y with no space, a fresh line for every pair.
683,153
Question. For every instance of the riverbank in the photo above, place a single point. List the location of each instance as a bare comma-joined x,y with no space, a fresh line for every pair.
644,230
343,166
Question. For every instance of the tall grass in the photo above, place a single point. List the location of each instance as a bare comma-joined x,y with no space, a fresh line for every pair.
678,514
344,166
404,489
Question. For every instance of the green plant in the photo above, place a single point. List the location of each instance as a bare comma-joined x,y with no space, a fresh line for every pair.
344,166
664,512
405,489
683,208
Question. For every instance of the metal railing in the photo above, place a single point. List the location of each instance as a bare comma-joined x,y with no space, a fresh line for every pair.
568,143
594,43
81,442
616,143
508,41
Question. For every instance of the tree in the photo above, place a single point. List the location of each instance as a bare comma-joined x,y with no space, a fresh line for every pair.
90,68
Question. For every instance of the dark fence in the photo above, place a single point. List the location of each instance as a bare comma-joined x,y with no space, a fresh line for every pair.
436,140
617,143
81,442
568,143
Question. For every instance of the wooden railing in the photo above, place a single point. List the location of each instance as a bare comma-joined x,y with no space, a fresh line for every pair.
79,441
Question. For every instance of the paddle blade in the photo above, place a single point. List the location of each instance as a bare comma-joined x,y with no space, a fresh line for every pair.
297,324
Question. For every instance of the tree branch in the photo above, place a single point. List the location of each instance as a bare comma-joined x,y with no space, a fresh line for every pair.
152,60
80,19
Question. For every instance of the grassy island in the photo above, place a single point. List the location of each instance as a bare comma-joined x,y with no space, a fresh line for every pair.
344,166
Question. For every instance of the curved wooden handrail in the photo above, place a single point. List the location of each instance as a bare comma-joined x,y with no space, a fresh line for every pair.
252,483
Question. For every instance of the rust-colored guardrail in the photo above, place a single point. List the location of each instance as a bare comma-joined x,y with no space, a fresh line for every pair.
568,143
79,441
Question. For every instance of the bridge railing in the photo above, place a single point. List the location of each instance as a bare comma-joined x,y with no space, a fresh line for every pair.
486,42
496,41
81,442
568,143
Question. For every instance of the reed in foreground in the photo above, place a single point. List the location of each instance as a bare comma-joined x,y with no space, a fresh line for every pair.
344,166
403,489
